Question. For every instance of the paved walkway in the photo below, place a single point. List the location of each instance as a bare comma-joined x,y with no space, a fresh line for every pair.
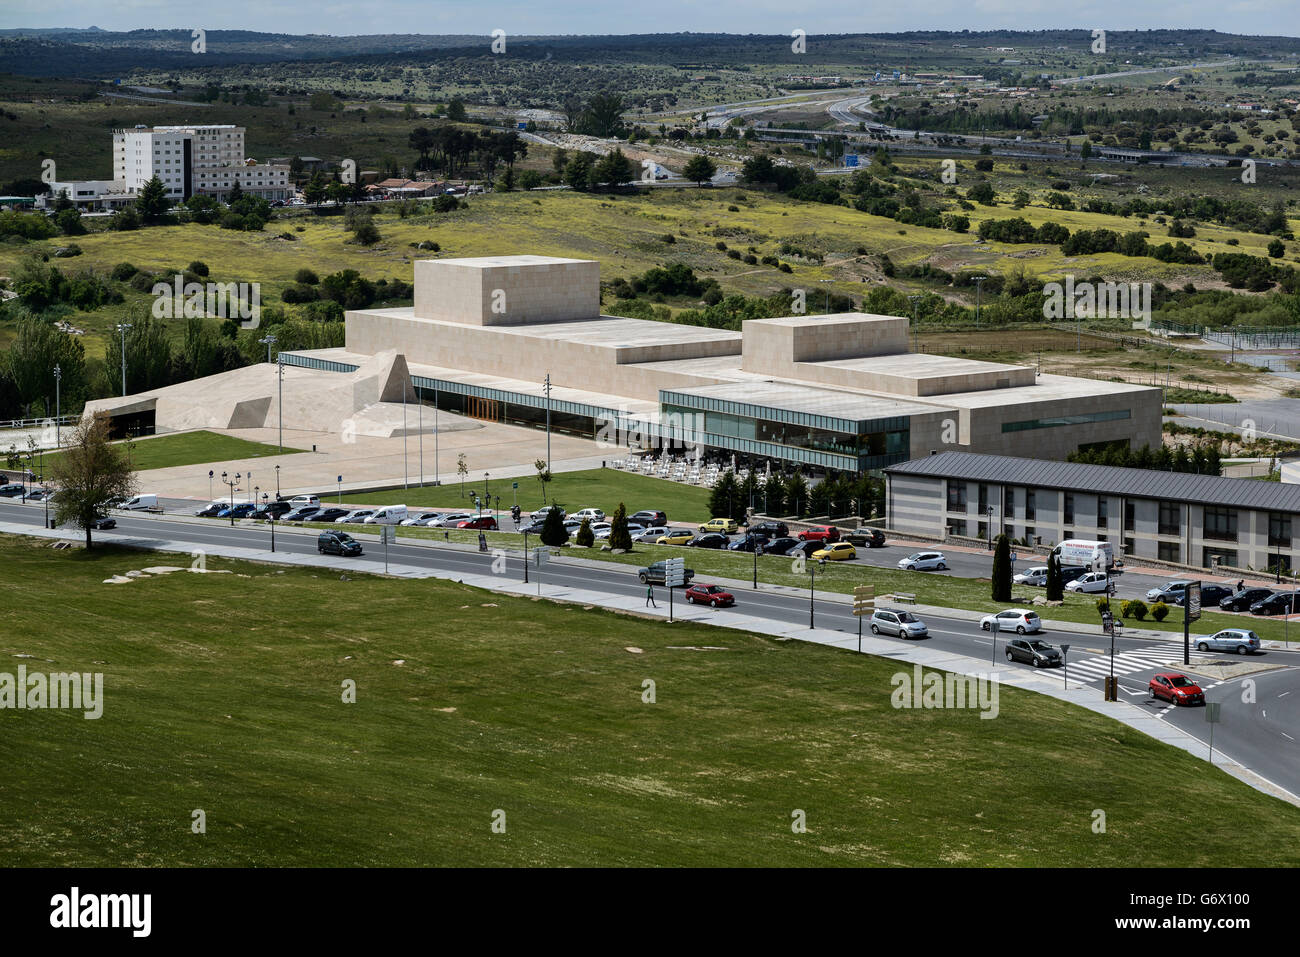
1085,696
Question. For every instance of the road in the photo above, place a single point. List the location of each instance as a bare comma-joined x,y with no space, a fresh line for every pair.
1262,734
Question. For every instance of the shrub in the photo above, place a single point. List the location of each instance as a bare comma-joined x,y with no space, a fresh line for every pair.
122,272
199,268
1134,608
142,281
585,537
306,277
669,238
1159,611
720,246
733,209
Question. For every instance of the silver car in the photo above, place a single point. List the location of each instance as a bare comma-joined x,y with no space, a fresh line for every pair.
900,623
1240,640
1032,576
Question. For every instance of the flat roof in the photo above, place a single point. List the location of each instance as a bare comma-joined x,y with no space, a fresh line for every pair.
808,400
919,365
1106,480
493,262
830,317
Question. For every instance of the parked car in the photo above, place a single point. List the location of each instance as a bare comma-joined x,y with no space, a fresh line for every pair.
302,501
357,516
535,528
103,522
1242,600
1070,572
545,510
781,546
749,543
924,561
452,519
277,509
330,514
867,537
11,491
649,517
39,494
1278,603
651,534
239,510
1171,593
597,527
1241,640
210,511
836,552
903,624
653,574
714,595
1020,620
1031,576
678,537
485,523
302,514
1175,688
769,529
726,526
337,543
820,533
591,514
709,540
139,503
805,549
388,515
632,531
421,519
1211,595
1034,651
1093,583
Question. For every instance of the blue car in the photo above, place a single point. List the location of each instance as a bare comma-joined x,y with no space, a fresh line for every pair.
242,510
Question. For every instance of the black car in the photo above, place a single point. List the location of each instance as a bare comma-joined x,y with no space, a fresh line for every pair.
709,540
1278,603
805,548
1211,595
304,514
749,543
1033,651
276,509
210,511
12,491
338,543
1242,600
769,530
780,546
649,518
869,537
103,522
1070,572
329,514
533,528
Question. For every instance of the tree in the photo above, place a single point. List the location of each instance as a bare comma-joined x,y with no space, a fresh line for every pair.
724,496
32,356
1055,583
90,473
543,476
456,111
69,221
422,141
614,169
620,539
796,495
235,195
982,193
462,469
700,170
603,116
1085,150
585,537
577,172
1002,569
553,531
148,356
152,203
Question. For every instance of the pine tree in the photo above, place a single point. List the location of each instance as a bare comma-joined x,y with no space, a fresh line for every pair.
1002,569
619,537
723,497
553,531
152,202
585,537
1055,584
796,495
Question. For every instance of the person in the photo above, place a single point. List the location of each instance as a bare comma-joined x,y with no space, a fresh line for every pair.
1241,585
650,595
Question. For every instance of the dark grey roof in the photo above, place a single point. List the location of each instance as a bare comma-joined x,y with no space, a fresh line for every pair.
1106,479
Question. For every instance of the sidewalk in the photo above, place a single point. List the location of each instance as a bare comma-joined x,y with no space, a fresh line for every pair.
1082,695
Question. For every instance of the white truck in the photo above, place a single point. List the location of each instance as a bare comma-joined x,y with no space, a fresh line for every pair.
140,503
388,515
1082,553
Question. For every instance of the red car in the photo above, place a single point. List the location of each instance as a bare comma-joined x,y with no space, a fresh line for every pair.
483,521
1176,688
714,595
820,533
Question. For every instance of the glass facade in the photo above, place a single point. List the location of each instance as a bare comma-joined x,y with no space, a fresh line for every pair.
1053,422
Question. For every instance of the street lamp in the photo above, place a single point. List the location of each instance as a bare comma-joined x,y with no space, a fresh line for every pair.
122,327
58,408
916,324
271,517
232,483
277,483
979,287
988,527
268,342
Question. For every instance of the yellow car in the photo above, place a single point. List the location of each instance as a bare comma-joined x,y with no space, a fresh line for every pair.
727,526
838,552
675,538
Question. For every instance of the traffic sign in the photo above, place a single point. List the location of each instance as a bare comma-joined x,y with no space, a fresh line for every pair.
1212,711
864,599
850,160
675,572
514,485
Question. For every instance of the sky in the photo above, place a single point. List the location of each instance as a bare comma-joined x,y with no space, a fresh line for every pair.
1258,17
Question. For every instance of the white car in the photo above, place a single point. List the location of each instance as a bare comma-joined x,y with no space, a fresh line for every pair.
600,529
355,517
541,513
421,519
1032,576
302,501
924,561
449,521
591,514
1093,583
1019,620
650,534
632,531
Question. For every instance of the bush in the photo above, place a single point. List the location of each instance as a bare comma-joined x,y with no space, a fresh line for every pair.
122,272
585,537
142,281
1134,608
1159,611
669,238
306,277
199,268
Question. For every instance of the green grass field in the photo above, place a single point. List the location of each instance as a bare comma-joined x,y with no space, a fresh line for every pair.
593,488
469,704
190,448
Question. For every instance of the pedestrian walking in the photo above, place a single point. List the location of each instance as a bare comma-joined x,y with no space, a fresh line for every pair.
1241,585
650,595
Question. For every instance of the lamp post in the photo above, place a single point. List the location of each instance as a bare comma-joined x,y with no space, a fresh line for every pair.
916,324
525,556
812,589
122,327
279,373
271,517
419,430
548,424
232,483
47,498
268,342
436,480
988,526
979,288
210,474
277,483
58,408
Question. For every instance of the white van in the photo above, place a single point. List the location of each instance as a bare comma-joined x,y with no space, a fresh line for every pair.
388,515
140,502
302,501
1084,553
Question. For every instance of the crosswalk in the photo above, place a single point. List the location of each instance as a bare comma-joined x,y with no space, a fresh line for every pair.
1095,667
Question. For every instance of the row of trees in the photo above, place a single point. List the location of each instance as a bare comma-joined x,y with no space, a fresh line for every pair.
450,149
792,495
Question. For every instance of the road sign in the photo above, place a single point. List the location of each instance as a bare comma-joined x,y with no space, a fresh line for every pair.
1013,558
1193,601
864,599
1212,711
675,572
340,478
995,626
514,485
850,160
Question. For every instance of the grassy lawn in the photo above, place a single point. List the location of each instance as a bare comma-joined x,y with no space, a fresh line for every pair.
536,710
191,448
945,591
596,488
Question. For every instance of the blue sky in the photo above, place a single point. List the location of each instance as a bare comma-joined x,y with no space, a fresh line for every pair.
656,16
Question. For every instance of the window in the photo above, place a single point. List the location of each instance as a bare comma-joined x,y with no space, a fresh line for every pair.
984,499
1128,546
1279,530
1221,524
1055,421
1128,516
956,496
1069,508
1168,551
957,528
1209,556
1103,512
1031,506
1170,518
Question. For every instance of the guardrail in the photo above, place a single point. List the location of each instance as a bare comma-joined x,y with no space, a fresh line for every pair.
39,423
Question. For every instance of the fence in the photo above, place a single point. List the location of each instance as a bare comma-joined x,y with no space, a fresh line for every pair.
1240,337
38,423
